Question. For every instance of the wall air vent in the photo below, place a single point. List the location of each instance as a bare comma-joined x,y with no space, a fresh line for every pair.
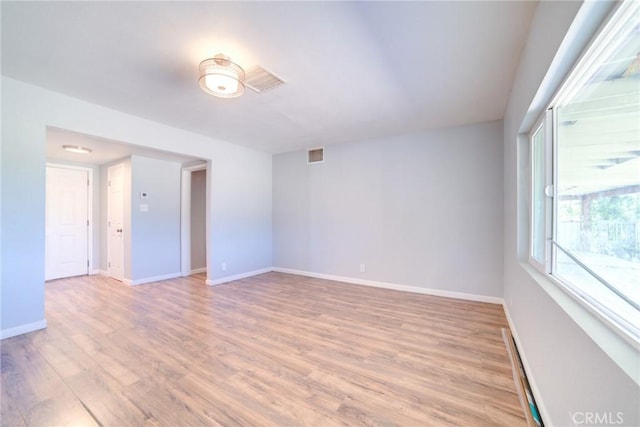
261,80
315,155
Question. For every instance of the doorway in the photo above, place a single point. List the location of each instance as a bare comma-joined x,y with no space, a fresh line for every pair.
193,238
68,236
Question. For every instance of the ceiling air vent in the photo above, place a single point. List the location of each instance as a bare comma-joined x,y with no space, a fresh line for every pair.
315,155
261,80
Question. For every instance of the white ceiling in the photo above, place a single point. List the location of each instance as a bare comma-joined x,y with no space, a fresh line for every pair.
354,70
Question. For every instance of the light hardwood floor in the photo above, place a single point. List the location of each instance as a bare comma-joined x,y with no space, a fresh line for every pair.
275,349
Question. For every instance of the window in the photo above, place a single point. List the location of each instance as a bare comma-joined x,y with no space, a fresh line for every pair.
538,184
585,177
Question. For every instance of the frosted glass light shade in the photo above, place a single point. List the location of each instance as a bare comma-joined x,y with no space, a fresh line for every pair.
221,83
222,78
77,149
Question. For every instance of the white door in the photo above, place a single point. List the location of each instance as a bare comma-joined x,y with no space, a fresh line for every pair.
115,220
67,222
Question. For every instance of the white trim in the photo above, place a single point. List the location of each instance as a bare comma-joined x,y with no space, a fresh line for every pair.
89,171
198,270
537,396
540,126
396,287
238,276
185,223
151,279
107,223
23,329
100,272
606,38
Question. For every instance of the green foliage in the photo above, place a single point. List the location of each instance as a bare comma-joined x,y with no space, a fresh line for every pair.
624,208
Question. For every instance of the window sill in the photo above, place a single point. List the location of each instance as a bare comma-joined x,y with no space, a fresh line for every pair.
617,343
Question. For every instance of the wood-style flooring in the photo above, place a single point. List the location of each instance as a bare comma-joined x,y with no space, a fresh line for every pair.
271,350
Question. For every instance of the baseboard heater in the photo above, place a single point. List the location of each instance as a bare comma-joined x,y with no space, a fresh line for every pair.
523,388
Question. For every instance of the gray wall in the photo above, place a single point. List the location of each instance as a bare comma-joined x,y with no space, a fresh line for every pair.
151,239
240,224
155,235
23,218
421,210
567,362
198,219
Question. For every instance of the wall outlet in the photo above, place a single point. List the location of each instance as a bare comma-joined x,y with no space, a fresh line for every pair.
362,268
224,266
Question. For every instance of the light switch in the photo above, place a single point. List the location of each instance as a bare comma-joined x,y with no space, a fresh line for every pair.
144,207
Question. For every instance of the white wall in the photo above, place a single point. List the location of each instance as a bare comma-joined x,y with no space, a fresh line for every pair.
240,191
421,210
568,353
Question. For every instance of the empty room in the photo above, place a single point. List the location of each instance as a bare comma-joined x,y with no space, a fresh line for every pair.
421,213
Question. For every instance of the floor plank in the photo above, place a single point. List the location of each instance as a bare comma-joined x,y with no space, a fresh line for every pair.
274,349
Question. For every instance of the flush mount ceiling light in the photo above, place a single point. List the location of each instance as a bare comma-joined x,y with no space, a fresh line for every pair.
77,149
222,78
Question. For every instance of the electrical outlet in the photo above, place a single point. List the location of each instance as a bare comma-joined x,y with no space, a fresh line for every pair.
362,268
224,266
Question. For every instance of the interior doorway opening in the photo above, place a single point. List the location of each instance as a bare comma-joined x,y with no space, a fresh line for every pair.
194,219
101,156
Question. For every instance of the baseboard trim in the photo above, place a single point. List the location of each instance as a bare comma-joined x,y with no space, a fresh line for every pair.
238,276
394,286
23,329
100,272
542,409
151,279
198,270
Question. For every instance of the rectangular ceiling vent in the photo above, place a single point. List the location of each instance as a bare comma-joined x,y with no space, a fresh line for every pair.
315,155
262,80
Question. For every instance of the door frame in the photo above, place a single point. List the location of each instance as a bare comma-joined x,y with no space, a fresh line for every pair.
89,171
185,216
109,166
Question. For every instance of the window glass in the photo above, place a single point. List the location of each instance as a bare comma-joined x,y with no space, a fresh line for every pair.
597,222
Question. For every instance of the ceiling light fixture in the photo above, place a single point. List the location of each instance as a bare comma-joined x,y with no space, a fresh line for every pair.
222,78
77,149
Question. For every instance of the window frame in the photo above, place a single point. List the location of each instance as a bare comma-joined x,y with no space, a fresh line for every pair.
542,125
574,80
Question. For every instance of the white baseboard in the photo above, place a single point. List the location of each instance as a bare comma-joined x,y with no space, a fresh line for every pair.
394,286
100,272
238,276
542,410
23,329
151,279
198,270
